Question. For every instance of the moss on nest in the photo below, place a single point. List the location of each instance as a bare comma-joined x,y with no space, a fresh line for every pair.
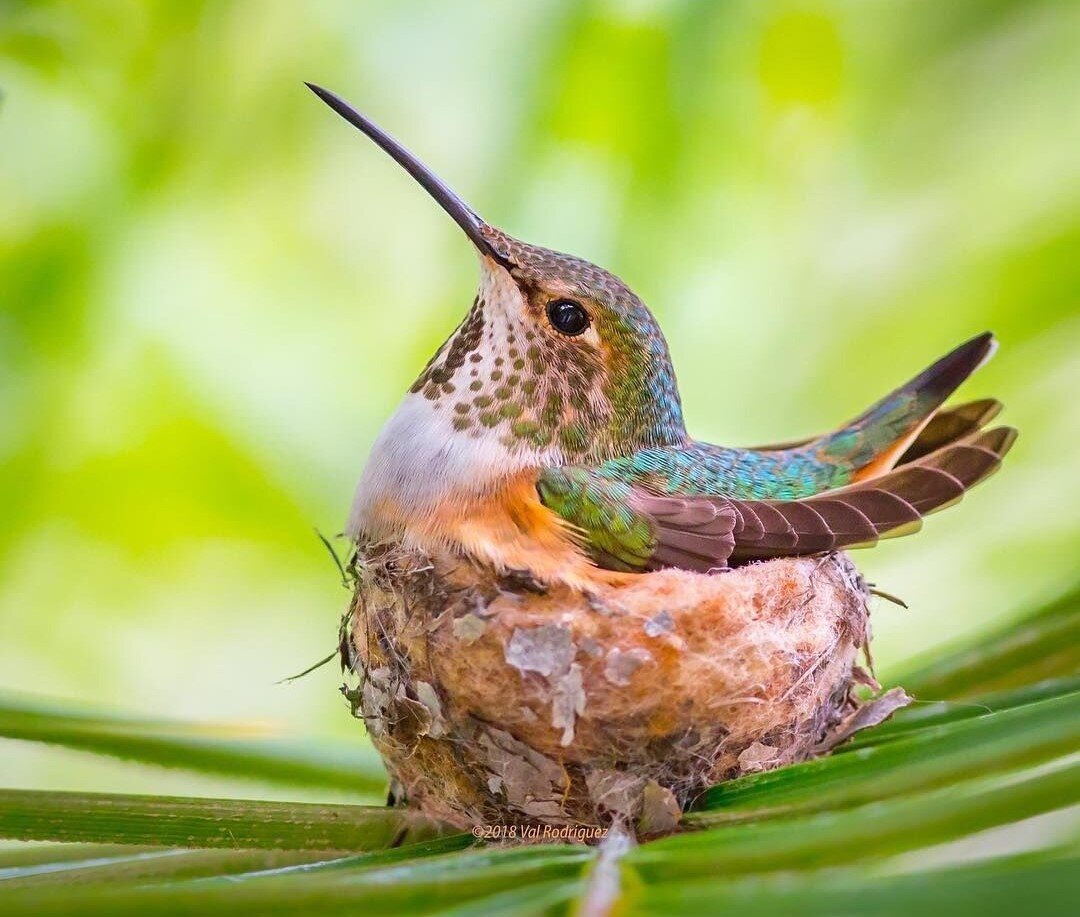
494,699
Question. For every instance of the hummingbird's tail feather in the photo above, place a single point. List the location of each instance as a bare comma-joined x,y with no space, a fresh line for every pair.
944,426
872,443
861,514
951,424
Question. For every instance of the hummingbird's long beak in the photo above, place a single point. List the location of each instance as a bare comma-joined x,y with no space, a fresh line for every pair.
460,212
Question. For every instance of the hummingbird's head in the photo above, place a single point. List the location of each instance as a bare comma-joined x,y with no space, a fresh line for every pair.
557,357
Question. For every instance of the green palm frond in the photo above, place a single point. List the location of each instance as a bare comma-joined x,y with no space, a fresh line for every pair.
933,756
860,831
207,748
1038,646
1006,885
187,822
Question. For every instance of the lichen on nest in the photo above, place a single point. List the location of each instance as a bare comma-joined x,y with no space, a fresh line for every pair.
495,699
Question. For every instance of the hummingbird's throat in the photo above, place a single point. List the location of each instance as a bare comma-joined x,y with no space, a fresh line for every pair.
500,375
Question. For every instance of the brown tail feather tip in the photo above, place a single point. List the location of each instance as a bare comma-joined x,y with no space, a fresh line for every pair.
949,425
942,478
999,440
979,412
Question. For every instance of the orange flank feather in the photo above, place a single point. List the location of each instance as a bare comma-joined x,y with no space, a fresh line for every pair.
506,526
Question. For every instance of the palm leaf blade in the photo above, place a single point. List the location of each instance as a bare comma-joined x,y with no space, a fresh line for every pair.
479,882
937,713
202,748
158,864
1044,644
185,822
866,833
1015,885
931,757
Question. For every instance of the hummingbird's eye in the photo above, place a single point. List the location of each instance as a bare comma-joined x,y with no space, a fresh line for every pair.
567,317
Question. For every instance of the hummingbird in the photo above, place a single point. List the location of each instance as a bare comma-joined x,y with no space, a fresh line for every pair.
546,436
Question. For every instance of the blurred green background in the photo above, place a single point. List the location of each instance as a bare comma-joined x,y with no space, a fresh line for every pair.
213,292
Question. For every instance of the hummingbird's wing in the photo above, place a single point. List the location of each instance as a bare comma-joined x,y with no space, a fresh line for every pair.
860,514
627,525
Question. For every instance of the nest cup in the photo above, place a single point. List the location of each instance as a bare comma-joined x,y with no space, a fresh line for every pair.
495,700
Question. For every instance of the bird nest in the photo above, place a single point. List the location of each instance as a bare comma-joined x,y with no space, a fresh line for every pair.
496,700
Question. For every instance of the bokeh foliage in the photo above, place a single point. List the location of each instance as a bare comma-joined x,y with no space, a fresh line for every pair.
212,292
